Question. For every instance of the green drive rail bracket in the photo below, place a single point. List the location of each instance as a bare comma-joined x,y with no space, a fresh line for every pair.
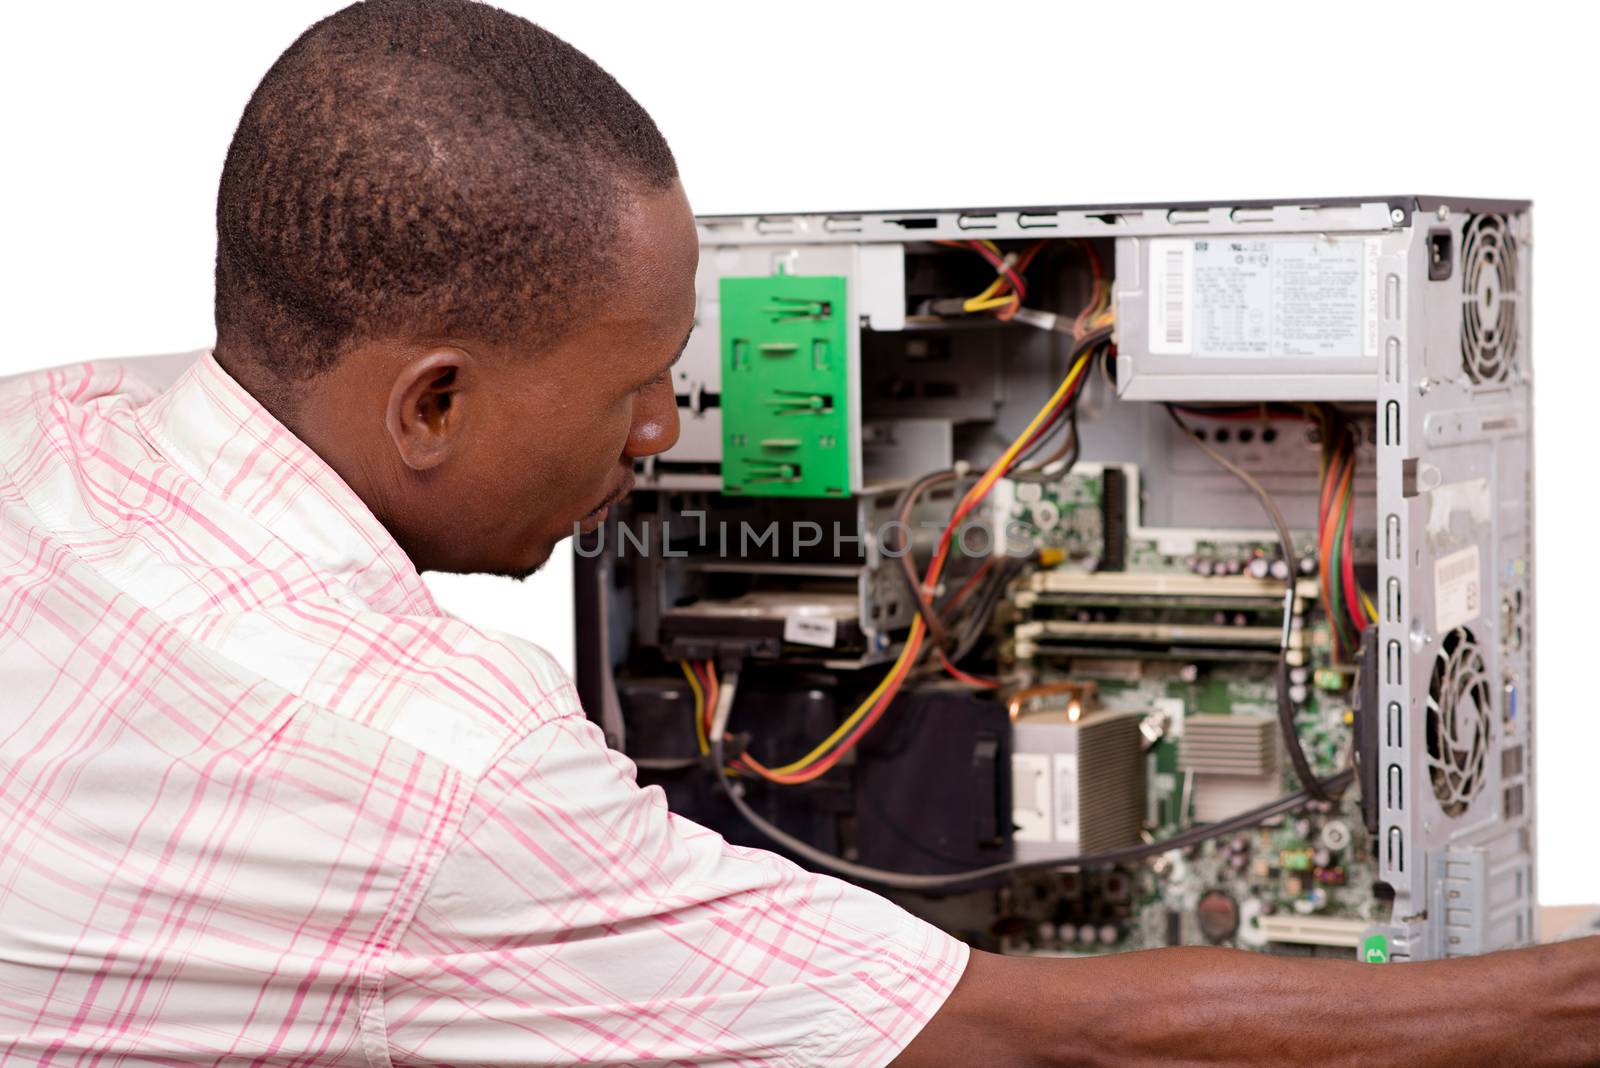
785,386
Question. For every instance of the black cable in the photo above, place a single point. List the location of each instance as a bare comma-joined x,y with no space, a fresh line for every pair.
1036,473
1063,460
912,881
1286,723
906,561
938,630
983,608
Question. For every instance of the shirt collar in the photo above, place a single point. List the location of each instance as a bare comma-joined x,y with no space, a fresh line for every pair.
215,430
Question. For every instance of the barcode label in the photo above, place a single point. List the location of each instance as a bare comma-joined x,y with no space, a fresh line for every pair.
1171,305
1457,589
1175,294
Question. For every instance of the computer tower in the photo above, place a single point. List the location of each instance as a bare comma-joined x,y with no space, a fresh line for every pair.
1243,547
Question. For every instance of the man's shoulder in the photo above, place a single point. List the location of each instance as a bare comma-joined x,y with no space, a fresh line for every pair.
462,694
130,380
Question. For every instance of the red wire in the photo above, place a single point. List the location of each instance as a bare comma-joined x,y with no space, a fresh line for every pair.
1352,594
967,586
971,680
1095,293
825,764
999,264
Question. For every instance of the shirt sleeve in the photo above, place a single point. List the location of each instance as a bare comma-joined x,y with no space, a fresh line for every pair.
576,921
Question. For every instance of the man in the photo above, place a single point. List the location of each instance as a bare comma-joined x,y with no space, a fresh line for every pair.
262,803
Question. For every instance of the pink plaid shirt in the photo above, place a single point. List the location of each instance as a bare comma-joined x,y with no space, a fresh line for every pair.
261,802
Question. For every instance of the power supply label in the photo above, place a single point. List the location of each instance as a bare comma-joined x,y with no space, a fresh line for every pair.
1244,298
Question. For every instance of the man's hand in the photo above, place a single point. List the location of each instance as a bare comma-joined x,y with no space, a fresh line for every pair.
1220,1008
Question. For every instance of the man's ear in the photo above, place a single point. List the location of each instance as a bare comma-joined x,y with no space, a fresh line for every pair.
425,415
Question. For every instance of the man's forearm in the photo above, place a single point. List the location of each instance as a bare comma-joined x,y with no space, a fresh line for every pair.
1219,1008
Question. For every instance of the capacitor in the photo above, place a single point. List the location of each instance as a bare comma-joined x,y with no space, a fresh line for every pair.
1297,694
1233,567
1308,565
1240,619
1189,672
1280,570
1260,567
1203,566
1109,934
1218,915
1322,858
1045,933
1086,934
1336,835
1302,828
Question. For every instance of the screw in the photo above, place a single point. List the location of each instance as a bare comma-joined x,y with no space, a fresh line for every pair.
1397,216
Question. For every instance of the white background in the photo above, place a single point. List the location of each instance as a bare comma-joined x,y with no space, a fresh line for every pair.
117,117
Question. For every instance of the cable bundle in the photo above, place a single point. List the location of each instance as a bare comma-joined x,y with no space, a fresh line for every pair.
1350,610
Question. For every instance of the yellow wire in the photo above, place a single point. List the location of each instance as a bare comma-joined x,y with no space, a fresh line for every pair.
699,707
1372,612
915,637
986,300
860,713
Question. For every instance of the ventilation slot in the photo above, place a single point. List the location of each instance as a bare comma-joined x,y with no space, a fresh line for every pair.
1396,725
1489,299
1395,851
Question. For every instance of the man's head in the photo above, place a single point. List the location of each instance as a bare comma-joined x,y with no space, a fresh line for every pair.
454,258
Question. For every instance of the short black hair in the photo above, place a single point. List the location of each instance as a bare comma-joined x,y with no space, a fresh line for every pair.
421,166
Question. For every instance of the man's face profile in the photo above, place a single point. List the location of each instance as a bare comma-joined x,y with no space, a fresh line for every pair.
495,451
455,259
